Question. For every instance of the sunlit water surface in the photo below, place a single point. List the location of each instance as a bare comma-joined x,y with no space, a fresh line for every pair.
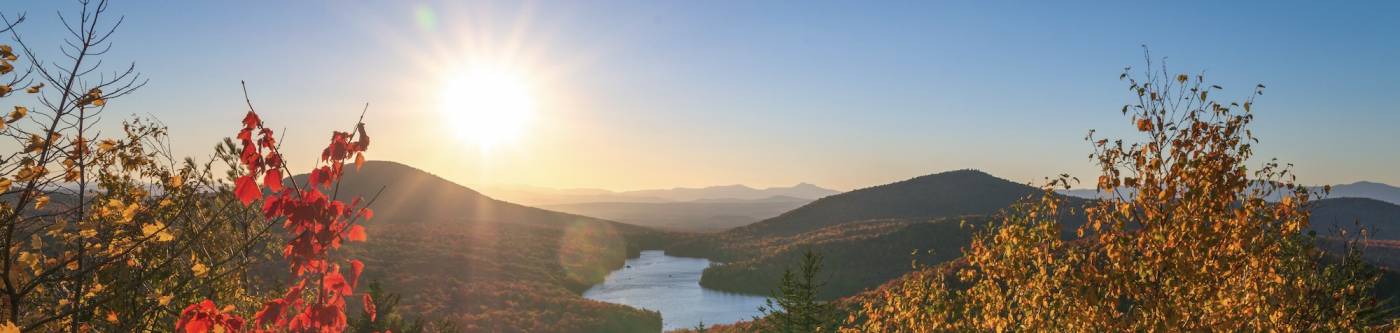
671,285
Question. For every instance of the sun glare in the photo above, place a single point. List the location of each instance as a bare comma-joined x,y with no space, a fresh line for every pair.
488,106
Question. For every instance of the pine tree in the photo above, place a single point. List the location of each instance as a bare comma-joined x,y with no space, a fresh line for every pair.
388,318
794,306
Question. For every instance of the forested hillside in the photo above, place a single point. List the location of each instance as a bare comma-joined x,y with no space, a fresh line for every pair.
490,265
867,236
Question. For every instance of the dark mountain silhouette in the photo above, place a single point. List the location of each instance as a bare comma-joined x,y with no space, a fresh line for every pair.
1380,219
947,194
491,265
706,215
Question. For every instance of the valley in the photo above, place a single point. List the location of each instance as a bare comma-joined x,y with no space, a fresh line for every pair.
454,253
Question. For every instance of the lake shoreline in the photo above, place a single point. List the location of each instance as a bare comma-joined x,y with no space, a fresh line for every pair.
670,285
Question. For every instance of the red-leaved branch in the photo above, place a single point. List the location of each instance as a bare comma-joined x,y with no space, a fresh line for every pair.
316,223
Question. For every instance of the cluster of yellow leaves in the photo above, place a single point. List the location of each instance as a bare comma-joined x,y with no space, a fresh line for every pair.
113,242
1185,242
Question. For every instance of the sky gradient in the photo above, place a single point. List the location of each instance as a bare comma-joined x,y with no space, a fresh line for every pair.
634,95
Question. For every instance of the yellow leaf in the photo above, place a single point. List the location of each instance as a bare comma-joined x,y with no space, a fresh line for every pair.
157,230
166,202
106,145
5,184
35,89
199,269
130,212
163,300
18,113
176,181
9,327
35,143
41,202
28,258
36,241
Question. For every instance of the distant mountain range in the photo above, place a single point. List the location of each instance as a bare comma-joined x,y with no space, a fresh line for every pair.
704,215
1362,189
541,196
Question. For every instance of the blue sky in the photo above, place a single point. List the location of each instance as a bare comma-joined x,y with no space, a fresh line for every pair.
843,94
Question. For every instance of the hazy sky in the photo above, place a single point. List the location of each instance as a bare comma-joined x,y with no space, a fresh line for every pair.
649,94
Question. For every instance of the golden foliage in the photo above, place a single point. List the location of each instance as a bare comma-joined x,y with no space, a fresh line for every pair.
99,233
1185,242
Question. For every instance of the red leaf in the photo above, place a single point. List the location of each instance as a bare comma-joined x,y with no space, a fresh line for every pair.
251,120
359,161
273,180
246,189
245,135
368,213
356,267
369,307
357,233
270,312
272,205
335,282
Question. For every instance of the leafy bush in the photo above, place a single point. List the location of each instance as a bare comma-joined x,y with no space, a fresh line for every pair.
1193,246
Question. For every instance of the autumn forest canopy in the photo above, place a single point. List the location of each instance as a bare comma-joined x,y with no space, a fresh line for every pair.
1185,223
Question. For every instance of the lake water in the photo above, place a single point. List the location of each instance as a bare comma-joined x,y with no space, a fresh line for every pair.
671,285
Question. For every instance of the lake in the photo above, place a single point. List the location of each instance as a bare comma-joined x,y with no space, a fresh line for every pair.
671,285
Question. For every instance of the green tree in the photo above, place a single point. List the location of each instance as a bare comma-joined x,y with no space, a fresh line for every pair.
794,307
385,316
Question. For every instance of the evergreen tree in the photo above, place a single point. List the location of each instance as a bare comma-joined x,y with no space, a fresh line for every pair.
794,306
387,318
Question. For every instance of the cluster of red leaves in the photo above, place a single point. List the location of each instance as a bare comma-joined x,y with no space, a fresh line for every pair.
317,223
205,316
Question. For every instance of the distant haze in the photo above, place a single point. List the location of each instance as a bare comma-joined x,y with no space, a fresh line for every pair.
538,196
1363,189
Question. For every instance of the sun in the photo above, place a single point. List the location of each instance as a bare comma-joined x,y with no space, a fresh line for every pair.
488,106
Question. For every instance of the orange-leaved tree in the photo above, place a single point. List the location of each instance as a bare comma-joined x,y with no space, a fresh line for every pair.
1184,240
316,223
